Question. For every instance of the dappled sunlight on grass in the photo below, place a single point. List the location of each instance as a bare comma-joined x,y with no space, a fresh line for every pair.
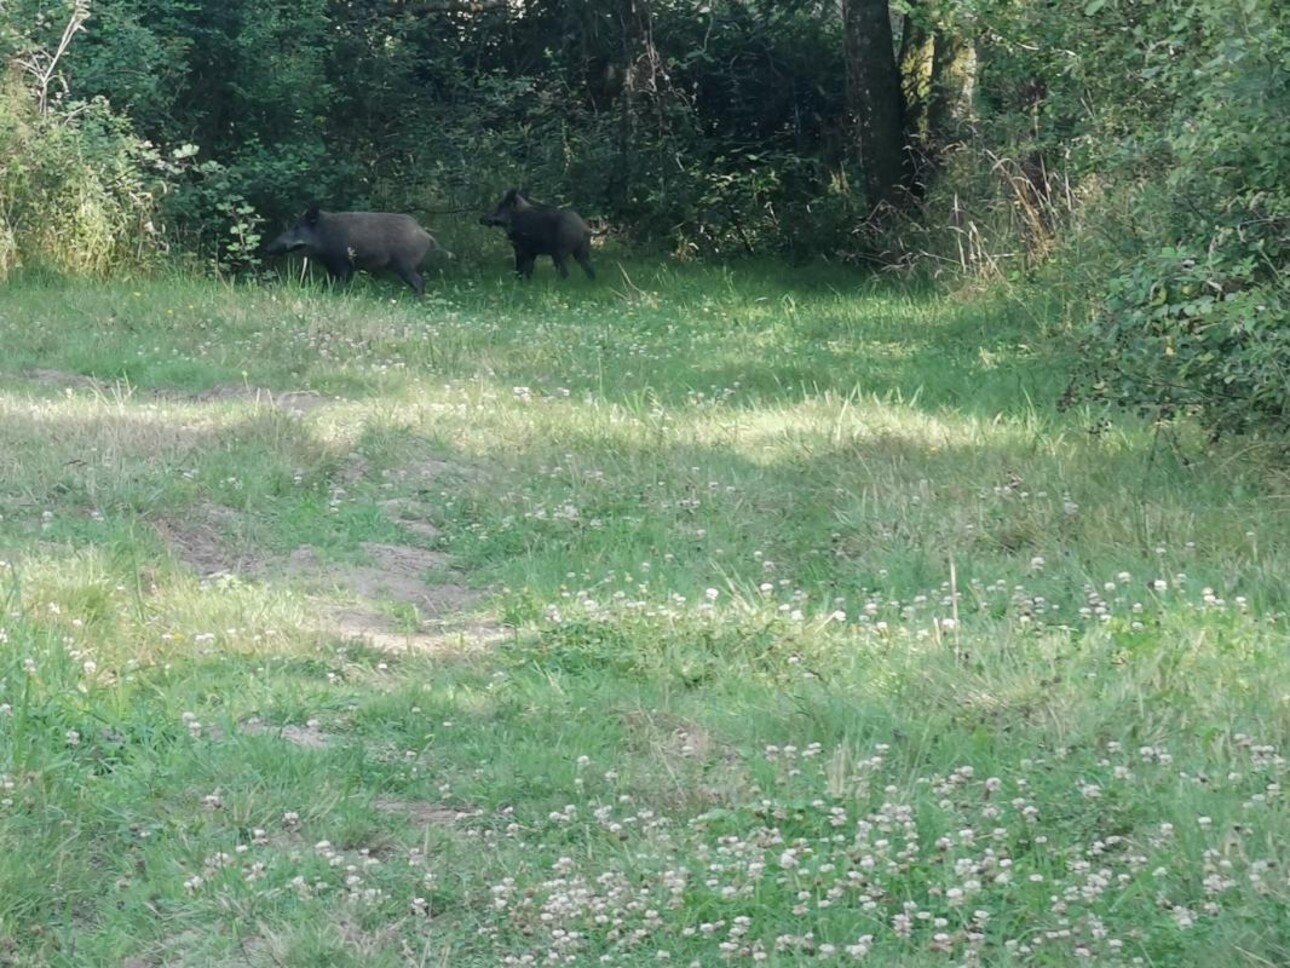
711,616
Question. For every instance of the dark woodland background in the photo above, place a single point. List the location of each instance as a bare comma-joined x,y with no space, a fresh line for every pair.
1133,155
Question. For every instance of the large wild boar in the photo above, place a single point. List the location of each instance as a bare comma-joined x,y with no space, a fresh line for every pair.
345,241
536,230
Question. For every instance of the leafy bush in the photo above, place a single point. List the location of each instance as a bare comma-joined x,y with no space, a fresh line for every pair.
1197,317
77,188
712,130
1193,333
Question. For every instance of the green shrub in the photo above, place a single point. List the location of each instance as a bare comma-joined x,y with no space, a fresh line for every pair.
1197,316
77,187
1192,333
77,191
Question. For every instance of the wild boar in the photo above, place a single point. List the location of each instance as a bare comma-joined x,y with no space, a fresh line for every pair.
345,241
536,230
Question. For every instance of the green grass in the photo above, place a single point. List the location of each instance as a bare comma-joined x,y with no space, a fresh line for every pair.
704,616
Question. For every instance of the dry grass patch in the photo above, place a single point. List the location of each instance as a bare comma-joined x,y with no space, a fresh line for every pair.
288,401
201,541
693,765
380,632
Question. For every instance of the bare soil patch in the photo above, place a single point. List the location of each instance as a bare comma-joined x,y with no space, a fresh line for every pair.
63,380
410,515
422,473
395,575
431,814
309,736
288,401
398,573
201,541
354,469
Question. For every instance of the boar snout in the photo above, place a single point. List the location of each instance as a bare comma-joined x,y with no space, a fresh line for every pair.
278,246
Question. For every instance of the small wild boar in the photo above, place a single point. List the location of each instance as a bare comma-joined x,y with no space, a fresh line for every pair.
536,230
345,241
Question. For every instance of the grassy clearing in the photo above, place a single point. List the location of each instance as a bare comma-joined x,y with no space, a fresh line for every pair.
698,616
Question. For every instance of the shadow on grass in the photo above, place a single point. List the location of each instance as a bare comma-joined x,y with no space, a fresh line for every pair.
755,334
758,340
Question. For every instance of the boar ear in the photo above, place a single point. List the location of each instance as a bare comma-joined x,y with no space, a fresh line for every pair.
311,216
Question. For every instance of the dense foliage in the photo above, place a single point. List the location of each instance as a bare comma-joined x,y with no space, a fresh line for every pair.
76,186
702,128
1142,144
1197,317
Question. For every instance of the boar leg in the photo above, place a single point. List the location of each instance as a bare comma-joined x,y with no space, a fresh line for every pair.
583,254
524,260
412,278
338,267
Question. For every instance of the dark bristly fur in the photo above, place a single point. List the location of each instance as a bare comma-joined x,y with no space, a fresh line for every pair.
345,241
536,230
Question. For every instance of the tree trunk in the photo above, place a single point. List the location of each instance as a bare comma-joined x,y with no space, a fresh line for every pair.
876,97
954,71
917,55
